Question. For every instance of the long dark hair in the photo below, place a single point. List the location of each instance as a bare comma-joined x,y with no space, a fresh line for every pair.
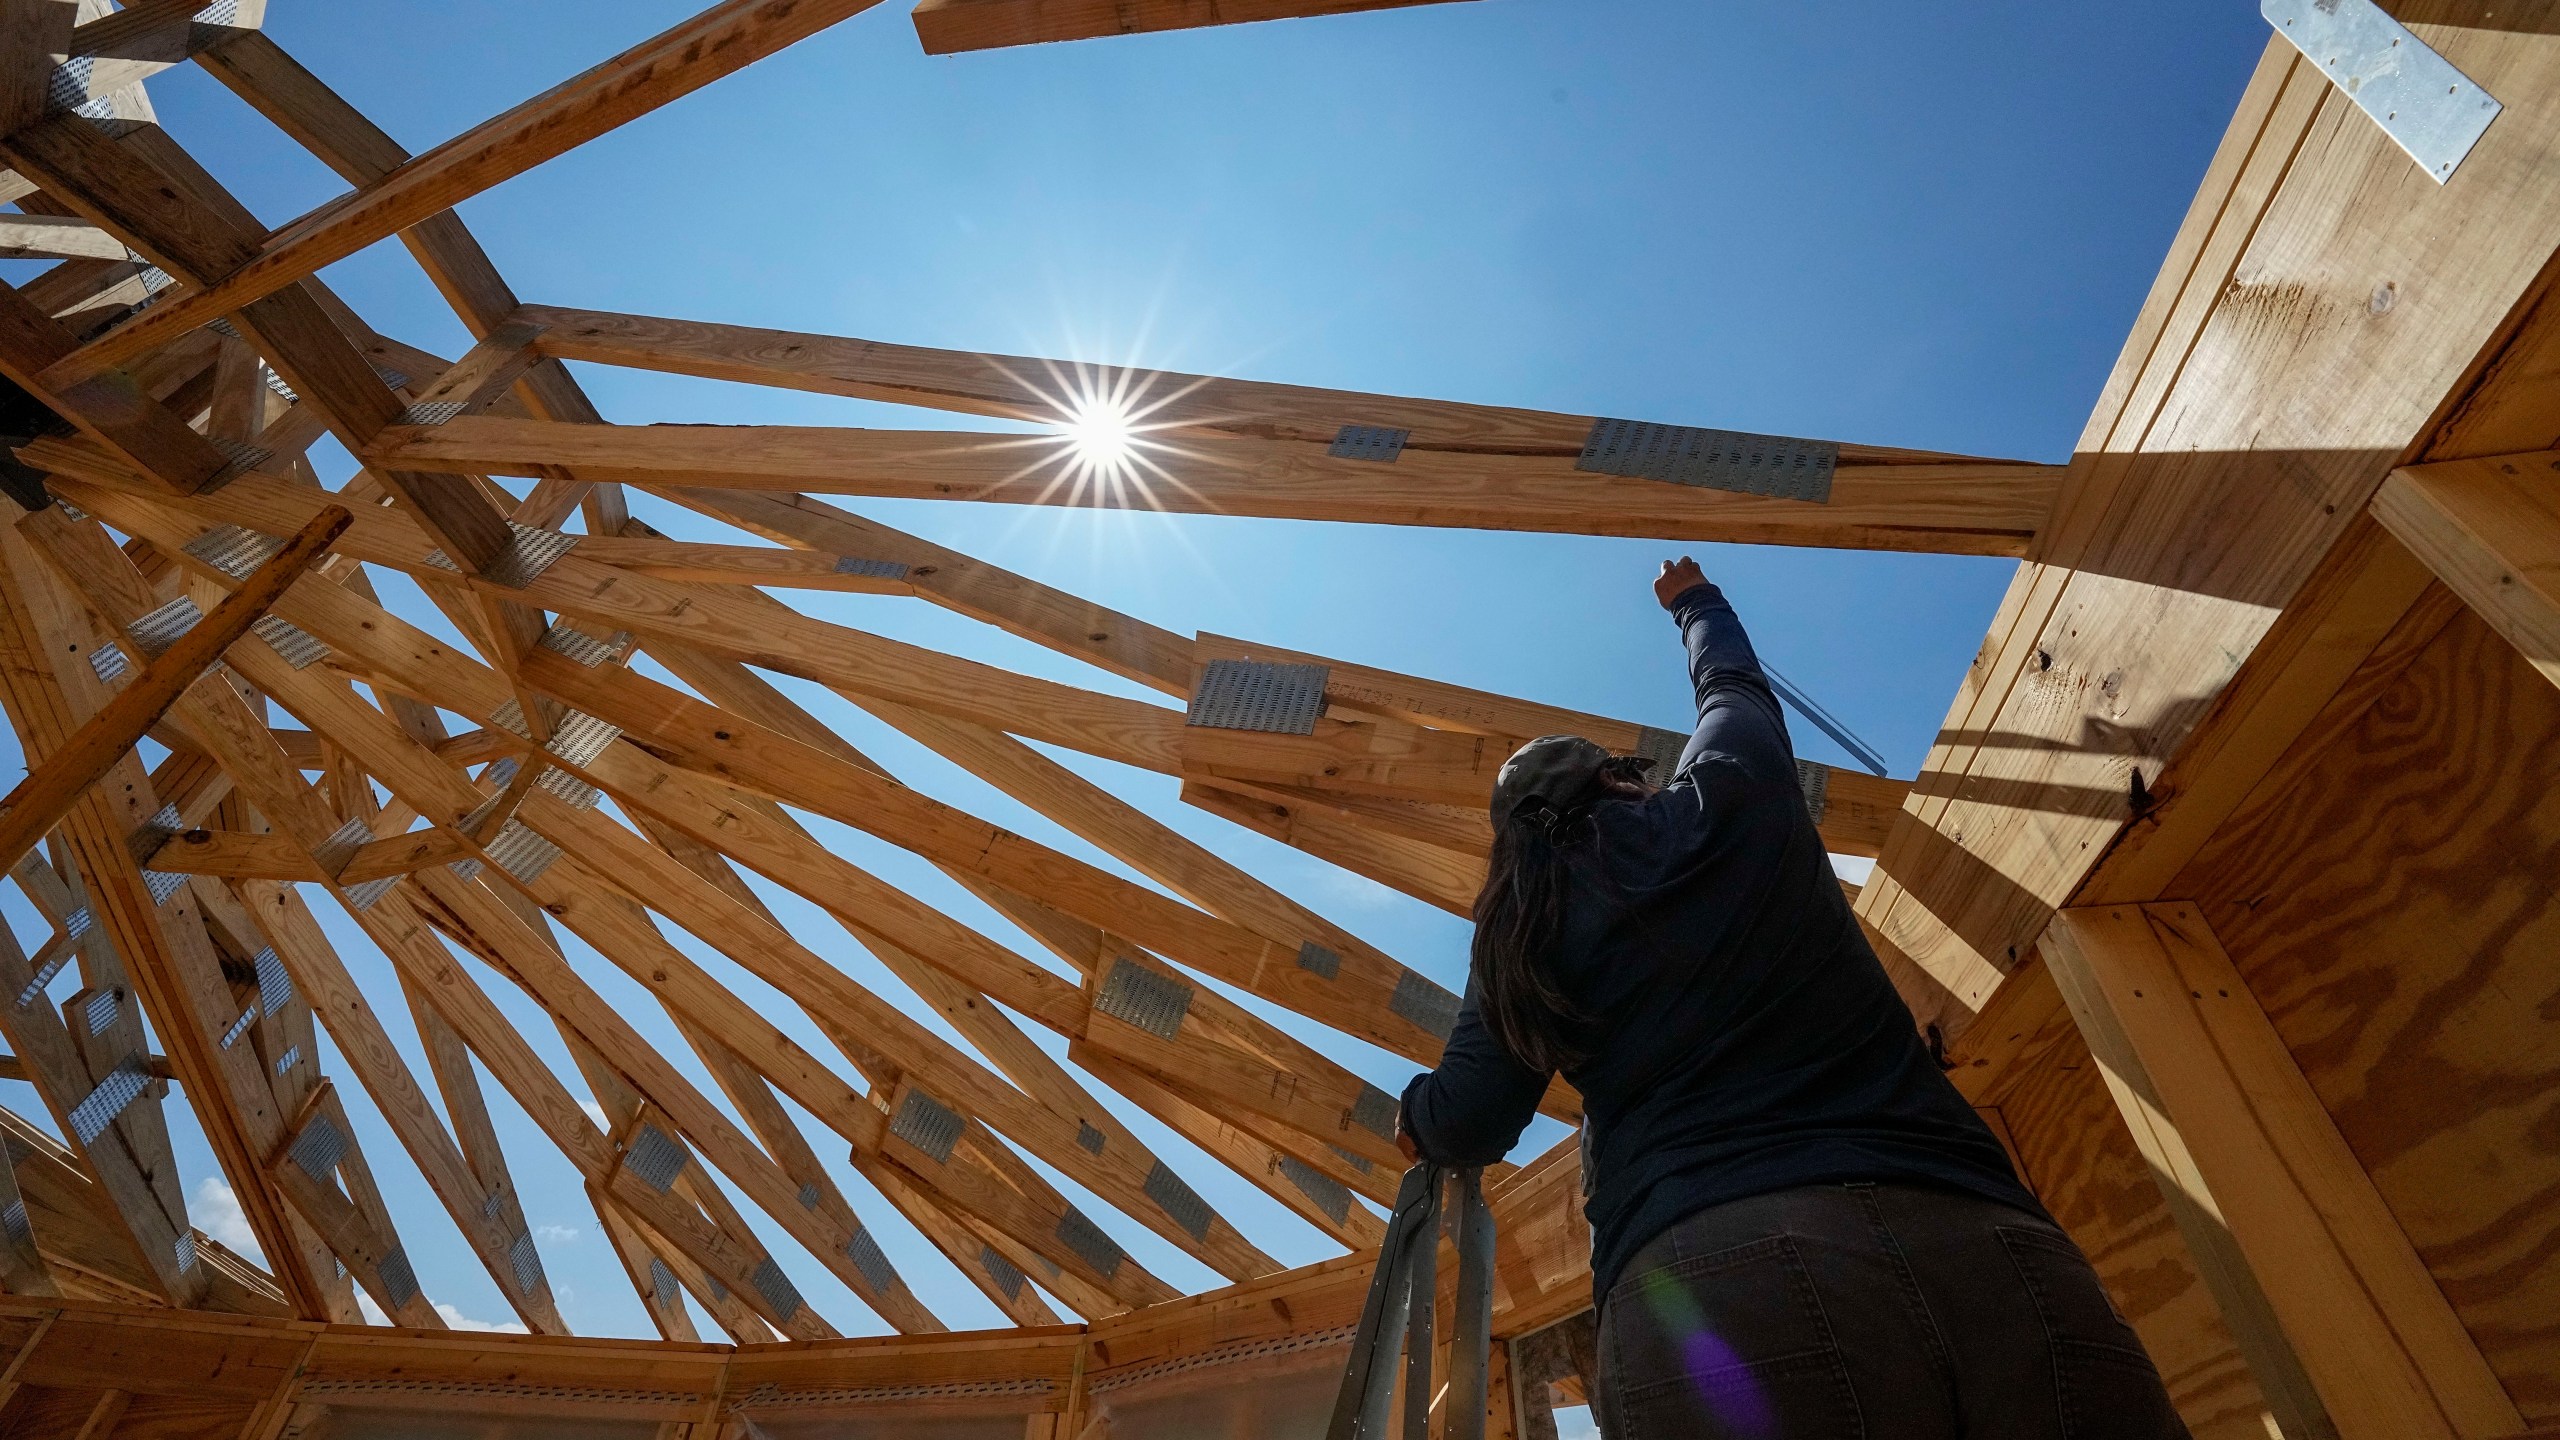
1519,916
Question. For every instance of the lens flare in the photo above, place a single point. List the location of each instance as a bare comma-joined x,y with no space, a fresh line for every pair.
1100,434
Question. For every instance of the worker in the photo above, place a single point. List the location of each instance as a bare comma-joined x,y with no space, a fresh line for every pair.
1800,1230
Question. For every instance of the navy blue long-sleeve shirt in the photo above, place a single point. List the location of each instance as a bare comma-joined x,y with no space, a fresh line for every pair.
1743,1037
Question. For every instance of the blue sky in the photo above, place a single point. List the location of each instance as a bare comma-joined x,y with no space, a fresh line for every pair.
1880,223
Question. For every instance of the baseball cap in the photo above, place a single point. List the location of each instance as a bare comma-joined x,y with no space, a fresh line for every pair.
1559,769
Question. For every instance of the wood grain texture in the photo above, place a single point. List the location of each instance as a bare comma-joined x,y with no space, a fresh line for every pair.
2391,905
951,27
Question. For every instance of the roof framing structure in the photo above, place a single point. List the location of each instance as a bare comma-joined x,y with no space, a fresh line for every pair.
2320,482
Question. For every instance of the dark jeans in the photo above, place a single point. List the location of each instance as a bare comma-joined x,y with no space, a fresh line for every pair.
1898,1312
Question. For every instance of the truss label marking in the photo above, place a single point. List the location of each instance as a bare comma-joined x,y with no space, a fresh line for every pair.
655,1159
873,569
1138,996
1368,442
1090,1243
95,1112
1424,1003
927,1124
1178,1200
1772,465
1259,695
1323,1191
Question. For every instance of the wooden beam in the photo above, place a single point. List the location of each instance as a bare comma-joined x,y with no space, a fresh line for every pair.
2334,1308
55,237
722,39
2490,530
2238,441
1945,505
951,27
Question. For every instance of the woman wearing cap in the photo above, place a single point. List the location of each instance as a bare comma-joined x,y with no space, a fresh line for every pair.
1799,1229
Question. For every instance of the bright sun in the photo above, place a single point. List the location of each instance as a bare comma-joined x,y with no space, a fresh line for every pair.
1099,433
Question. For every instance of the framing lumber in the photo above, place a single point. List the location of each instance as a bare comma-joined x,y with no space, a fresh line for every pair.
951,27
2314,1275
2490,530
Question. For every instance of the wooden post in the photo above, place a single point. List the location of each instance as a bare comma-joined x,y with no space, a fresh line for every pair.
2331,1305
52,788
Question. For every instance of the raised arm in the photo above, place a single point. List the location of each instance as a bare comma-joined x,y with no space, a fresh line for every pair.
1738,713
1471,1109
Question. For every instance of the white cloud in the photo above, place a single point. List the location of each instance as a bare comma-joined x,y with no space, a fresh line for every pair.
218,1214
557,1234
454,1317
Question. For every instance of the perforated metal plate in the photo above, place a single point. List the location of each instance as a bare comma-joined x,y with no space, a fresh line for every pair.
43,977
870,1261
655,1158
1008,1277
873,569
1138,996
663,1286
275,983
161,884
332,854
1088,1137
14,1224
160,629
103,1008
361,898
1089,1242
109,663
2431,110
294,645
582,647
526,1262
1319,958
927,1124
68,87
231,1036
580,737
396,379
1663,748
1375,1112
431,412
1735,460
776,1288
568,789
1258,695
234,550
291,1057
1424,1003
99,1108
151,834
76,924
1178,1200
1326,1193
809,1195
1368,442
521,852
182,1251
1814,779
319,1147
530,551
238,456
399,1282
1355,1161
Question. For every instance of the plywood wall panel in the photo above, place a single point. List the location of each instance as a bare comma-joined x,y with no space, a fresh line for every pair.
2396,909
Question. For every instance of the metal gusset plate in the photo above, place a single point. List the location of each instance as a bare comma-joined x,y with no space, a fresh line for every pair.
1008,1277
870,1261
399,1282
1178,1200
99,1108
872,569
1326,1193
776,1288
1258,695
1425,1003
319,1147
294,645
656,1158
234,550
1319,958
1375,1111
1089,1241
1368,442
526,1262
1771,465
160,629
1135,995
927,1124
2430,110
